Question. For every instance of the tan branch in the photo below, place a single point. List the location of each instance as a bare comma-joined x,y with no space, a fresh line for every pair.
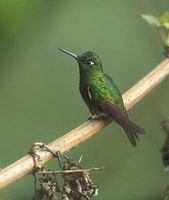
69,171
86,130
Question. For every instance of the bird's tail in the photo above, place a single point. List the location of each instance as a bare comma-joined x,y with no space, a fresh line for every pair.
132,136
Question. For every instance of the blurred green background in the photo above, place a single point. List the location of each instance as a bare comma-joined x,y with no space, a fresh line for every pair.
39,97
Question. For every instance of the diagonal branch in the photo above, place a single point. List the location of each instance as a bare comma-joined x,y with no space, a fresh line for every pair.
86,130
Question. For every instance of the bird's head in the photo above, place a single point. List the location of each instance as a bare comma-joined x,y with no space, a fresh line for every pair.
89,61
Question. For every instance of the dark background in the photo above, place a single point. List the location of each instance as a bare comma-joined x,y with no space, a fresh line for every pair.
39,97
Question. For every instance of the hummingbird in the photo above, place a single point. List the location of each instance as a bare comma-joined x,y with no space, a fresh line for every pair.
101,94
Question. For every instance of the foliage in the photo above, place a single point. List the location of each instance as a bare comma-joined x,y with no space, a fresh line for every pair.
161,24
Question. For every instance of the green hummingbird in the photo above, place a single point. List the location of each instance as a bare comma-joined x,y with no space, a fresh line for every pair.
101,94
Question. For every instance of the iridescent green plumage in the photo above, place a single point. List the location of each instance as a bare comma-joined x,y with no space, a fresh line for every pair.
102,95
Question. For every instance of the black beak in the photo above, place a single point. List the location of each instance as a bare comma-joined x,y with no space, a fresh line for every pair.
71,54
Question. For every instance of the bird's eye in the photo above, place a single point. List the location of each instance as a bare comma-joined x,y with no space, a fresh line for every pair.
89,62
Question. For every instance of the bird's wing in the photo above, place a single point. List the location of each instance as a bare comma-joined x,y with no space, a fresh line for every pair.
112,110
109,107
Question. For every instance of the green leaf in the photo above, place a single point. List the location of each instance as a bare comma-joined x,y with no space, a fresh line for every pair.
153,21
166,25
164,19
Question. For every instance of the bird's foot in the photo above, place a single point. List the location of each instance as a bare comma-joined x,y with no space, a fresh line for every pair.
94,116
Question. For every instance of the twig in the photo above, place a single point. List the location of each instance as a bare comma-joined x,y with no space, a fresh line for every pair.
69,171
86,130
